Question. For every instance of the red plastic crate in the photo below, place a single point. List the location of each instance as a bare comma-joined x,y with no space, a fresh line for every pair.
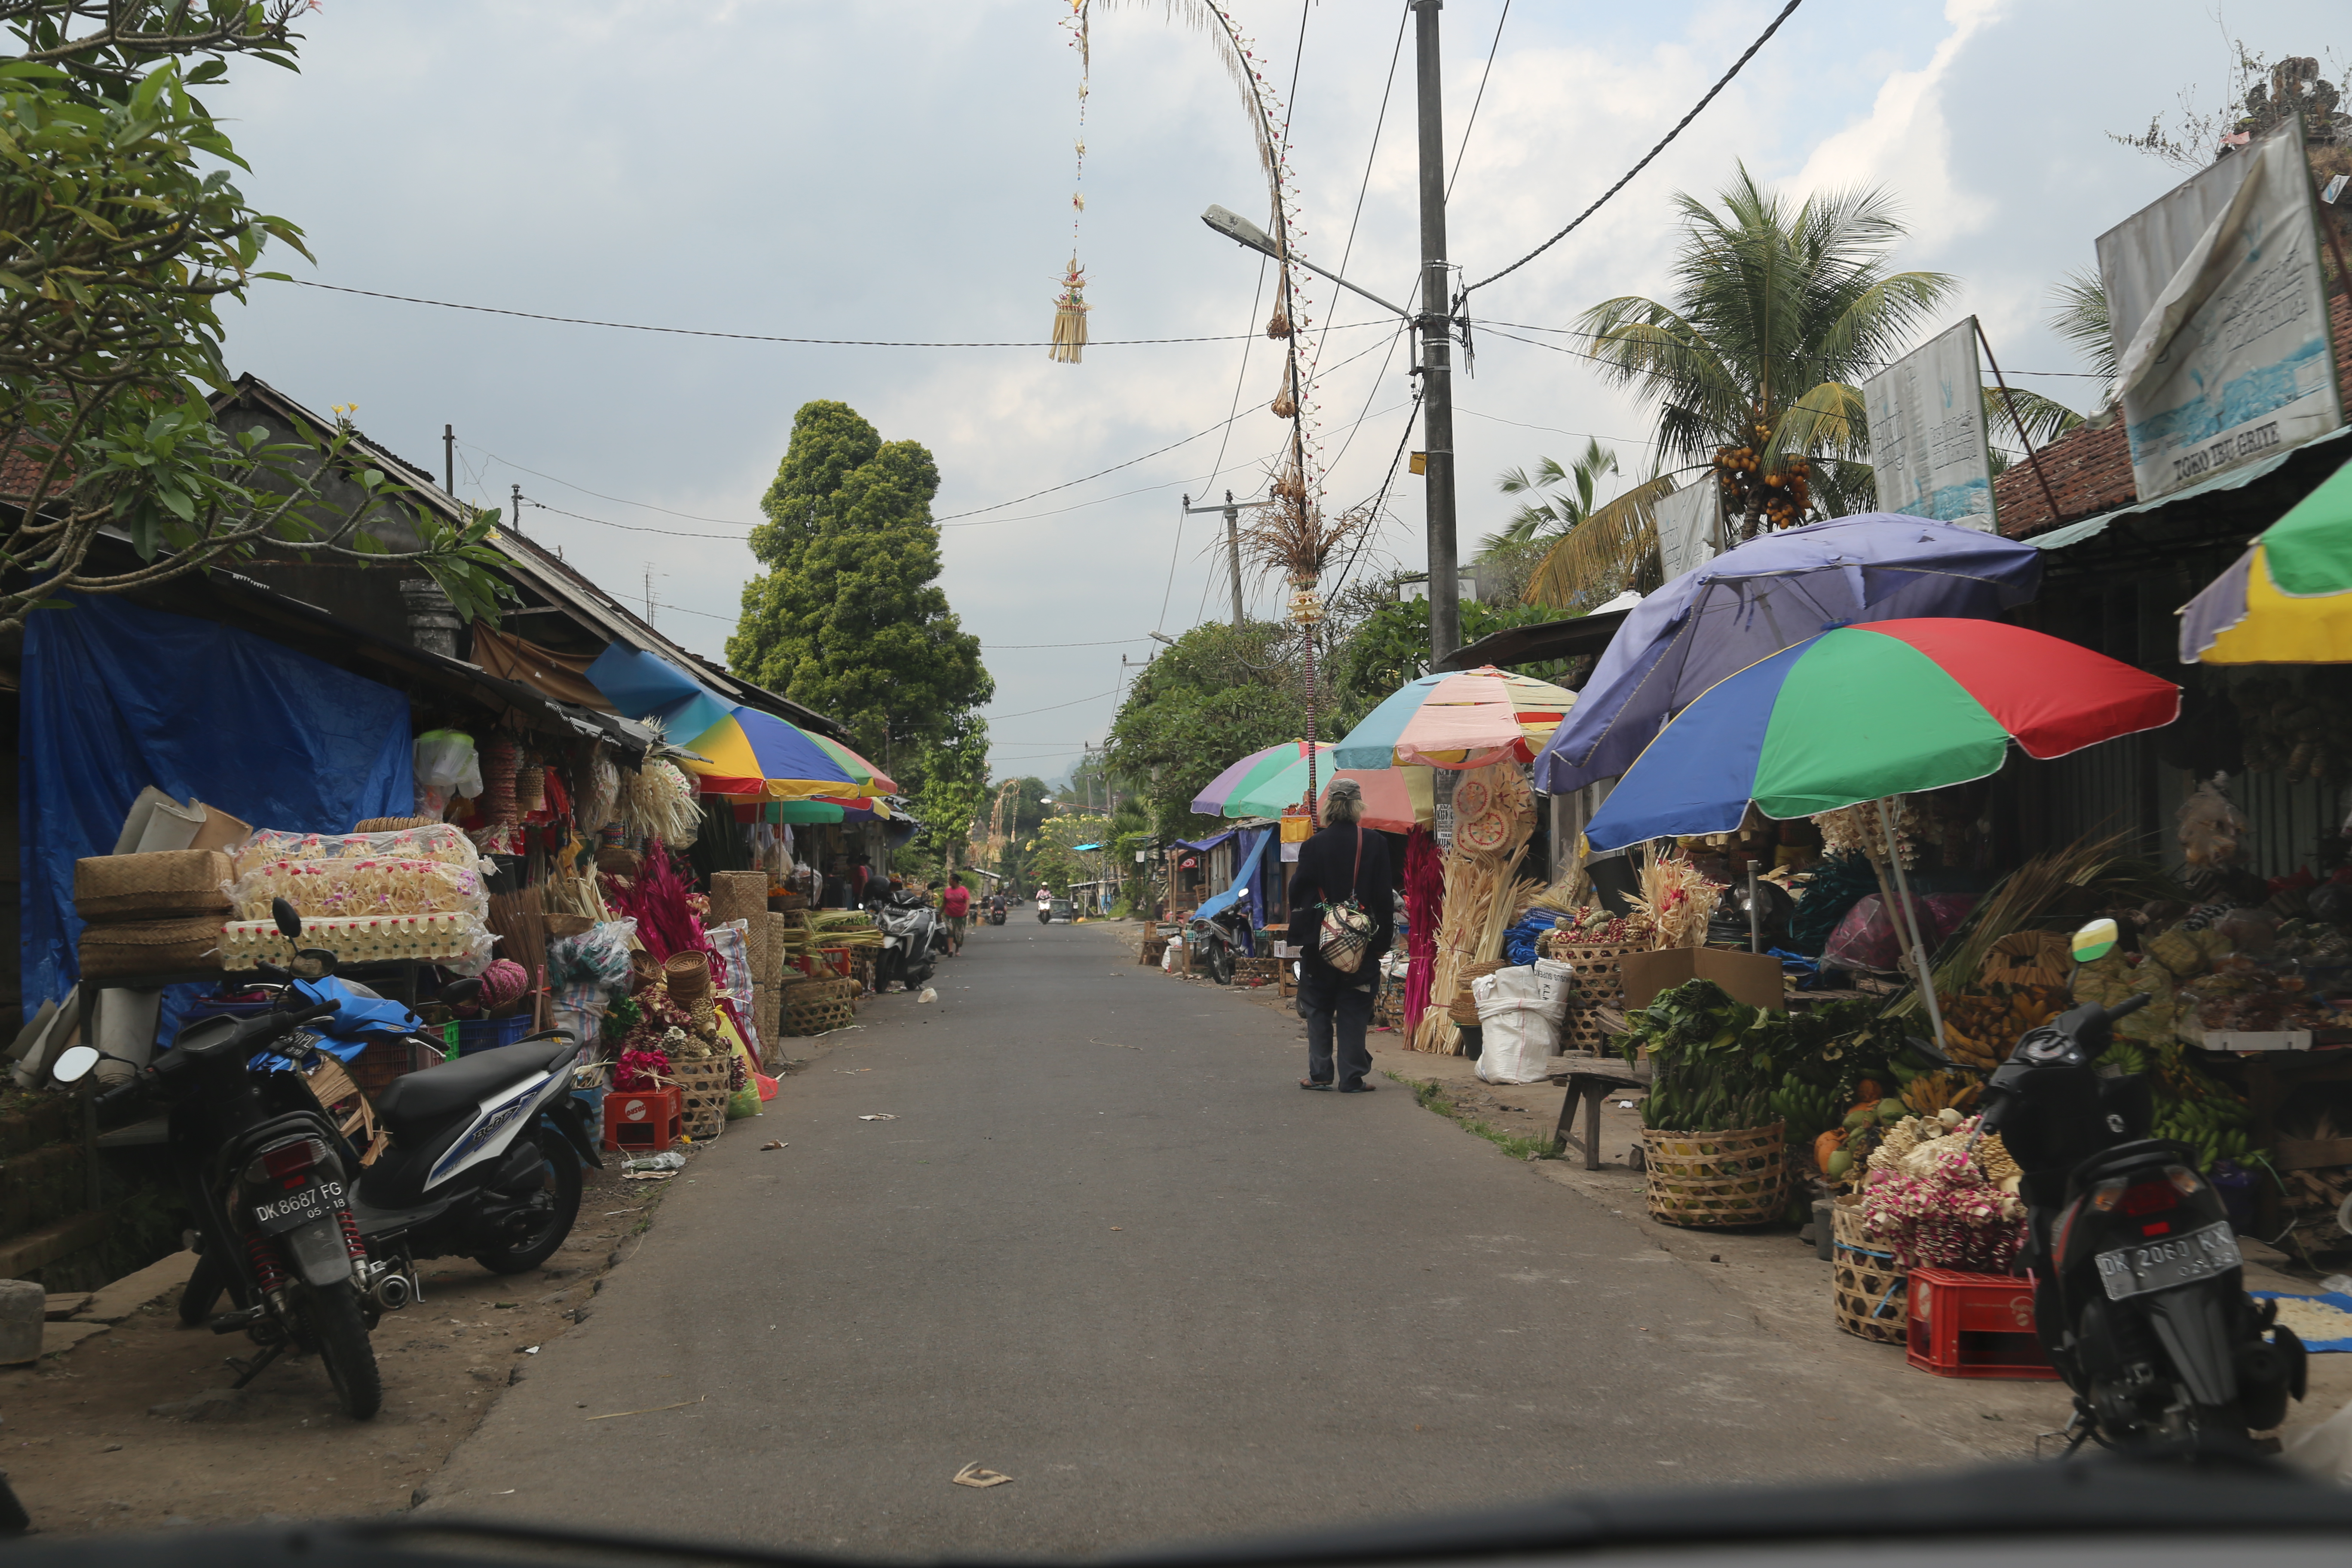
1973,1325
642,1120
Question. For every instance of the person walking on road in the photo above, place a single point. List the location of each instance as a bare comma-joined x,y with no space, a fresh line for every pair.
1344,863
957,902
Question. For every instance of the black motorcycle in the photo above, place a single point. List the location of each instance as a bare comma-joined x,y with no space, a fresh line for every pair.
1216,943
2138,1289
267,1177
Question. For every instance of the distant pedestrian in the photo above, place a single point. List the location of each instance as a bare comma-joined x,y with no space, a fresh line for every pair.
957,902
1343,864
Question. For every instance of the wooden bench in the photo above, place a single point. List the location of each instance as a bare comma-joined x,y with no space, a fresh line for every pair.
1592,1079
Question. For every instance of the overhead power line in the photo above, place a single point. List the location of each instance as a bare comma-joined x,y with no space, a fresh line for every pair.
771,338
1464,150
1073,702
1786,12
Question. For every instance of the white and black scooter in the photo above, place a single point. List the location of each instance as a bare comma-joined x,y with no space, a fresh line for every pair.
911,938
483,1161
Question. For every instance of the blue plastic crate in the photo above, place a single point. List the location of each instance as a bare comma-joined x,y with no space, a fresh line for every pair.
489,1034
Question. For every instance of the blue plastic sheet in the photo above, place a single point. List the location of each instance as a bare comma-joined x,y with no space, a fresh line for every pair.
118,697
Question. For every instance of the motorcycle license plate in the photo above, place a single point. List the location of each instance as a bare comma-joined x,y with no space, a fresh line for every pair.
291,1211
2176,1261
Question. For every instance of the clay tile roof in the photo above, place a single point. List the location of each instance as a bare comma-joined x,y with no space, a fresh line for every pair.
2089,468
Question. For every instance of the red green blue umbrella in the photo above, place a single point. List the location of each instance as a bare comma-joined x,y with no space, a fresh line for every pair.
2288,599
1867,712
1463,720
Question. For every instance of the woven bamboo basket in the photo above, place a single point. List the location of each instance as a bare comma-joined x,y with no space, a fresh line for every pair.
1464,1010
129,948
160,886
817,1017
1596,970
702,1095
809,992
789,903
1713,1180
1867,1289
1580,1030
688,977
396,824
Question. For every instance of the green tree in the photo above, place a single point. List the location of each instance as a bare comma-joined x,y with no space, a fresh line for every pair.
1219,693
2078,313
1778,313
1054,858
1390,647
121,231
849,617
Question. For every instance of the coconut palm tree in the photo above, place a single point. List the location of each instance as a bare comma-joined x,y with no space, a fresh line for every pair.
2078,313
1568,502
1778,313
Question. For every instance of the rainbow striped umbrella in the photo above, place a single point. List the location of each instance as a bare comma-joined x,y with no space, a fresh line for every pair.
749,753
1459,721
2288,599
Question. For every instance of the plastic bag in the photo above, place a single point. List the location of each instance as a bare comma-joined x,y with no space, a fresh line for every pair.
446,764
731,943
361,885
438,842
1867,938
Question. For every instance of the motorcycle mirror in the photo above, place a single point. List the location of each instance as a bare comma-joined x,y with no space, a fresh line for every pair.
313,964
74,1063
1927,1052
459,992
289,924
2095,941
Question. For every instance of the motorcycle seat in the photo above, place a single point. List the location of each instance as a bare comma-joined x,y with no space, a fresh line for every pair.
422,1097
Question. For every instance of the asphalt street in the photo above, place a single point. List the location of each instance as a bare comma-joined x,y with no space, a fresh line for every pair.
1103,1244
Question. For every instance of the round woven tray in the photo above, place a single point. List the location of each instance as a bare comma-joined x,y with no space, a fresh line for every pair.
1712,1180
1464,1009
1867,1289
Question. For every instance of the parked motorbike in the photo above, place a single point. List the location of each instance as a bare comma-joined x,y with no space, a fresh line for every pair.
482,1160
1215,943
912,940
2139,1295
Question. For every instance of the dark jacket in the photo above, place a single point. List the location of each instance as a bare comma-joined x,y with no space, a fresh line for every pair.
1325,863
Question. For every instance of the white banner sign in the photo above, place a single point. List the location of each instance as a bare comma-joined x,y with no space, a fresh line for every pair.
1928,433
1686,527
2221,319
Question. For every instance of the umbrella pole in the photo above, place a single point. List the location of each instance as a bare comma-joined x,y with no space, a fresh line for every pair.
1920,972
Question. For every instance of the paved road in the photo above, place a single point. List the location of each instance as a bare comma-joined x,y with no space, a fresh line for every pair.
1107,1248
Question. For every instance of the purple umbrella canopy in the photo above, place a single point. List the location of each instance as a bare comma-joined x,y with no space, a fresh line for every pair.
1767,594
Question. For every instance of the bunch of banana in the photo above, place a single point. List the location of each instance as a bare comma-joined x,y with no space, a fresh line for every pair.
2213,1126
1806,1110
1981,1024
1932,1092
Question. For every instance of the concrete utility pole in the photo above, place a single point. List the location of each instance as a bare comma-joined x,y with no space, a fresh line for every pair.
449,458
1436,343
517,509
1232,541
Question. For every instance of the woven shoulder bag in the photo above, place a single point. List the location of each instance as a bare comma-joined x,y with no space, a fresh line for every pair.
1347,934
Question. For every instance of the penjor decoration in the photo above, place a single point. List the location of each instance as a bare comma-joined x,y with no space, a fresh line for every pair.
1070,307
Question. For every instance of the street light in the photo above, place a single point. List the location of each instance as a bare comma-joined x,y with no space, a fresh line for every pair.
1240,230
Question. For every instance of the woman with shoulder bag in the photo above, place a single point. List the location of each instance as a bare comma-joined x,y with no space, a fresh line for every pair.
1342,919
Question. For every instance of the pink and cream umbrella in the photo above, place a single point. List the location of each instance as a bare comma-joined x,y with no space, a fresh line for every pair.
1458,722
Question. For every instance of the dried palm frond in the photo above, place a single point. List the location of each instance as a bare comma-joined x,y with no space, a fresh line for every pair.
1677,899
1228,45
1291,537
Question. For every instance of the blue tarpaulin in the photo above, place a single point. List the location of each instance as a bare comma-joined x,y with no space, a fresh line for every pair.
118,697
1248,873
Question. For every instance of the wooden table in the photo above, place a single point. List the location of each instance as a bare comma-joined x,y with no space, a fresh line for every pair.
1590,1079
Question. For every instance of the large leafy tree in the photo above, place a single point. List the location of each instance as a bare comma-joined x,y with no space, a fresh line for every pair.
1778,313
121,231
1219,693
850,619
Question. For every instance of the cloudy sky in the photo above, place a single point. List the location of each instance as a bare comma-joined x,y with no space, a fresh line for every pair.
794,169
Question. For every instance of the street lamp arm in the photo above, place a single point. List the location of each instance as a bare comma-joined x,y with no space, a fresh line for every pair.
1240,231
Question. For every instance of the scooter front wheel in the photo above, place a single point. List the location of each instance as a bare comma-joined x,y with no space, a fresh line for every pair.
559,1195
332,1313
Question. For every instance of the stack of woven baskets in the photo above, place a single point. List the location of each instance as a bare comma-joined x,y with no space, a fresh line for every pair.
1464,1010
818,1006
158,913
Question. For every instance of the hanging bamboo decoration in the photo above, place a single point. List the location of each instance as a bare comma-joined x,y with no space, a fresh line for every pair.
1070,307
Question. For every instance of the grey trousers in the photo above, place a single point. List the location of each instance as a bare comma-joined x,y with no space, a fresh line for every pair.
1333,1008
